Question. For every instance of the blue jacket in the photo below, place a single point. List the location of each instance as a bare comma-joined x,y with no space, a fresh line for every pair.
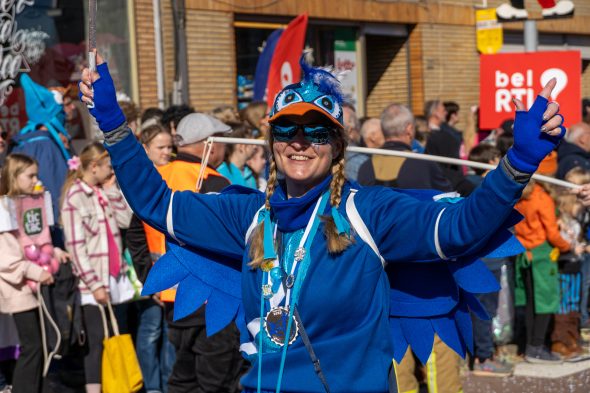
345,300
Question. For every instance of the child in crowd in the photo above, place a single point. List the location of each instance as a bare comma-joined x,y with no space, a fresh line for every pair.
257,164
19,177
537,279
93,210
255,116
566,334
484,362
486,154
234,166
157,142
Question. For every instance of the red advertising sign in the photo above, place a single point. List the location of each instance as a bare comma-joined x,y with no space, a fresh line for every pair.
522,75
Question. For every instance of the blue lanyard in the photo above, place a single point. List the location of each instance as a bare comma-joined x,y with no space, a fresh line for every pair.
301,273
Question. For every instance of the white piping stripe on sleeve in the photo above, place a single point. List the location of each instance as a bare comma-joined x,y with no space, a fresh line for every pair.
169,224
248,348
452,194
436,241
254,326
252,225
359,225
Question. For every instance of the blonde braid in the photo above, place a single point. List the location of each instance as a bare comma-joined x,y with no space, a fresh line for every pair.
336,243
272,181
337,182
257,243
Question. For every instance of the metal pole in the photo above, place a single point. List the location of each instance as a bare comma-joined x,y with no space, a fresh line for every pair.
531,36
159,53
181,83
405,154
133,71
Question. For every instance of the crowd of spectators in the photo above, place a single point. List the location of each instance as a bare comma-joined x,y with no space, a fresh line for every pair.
111,250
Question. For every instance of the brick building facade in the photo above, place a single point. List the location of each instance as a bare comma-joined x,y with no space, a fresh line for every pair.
435,58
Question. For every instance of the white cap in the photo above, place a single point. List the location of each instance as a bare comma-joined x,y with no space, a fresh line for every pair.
196,127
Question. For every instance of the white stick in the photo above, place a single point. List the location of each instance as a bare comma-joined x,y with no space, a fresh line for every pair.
92,9
406,154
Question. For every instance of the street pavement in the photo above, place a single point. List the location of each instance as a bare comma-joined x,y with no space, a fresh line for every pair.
535,378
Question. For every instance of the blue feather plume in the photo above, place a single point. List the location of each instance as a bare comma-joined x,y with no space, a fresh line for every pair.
325,80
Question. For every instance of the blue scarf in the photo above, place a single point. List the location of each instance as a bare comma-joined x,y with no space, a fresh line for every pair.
294,213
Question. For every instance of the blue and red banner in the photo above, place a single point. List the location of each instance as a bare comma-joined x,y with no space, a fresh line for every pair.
263,65
281,53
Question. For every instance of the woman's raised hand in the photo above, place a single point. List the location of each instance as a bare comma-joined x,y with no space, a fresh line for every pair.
98,88
536,131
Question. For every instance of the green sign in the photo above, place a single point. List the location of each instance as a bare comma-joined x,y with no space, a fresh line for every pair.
345,61
344,40
33,221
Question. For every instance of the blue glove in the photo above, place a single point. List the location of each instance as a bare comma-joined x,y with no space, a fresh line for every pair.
531,145
106,111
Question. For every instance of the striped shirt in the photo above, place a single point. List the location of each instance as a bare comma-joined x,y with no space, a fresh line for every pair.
85,230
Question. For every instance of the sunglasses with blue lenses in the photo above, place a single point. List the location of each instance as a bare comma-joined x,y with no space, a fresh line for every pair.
319,134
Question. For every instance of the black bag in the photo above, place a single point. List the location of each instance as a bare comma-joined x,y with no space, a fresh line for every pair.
569,263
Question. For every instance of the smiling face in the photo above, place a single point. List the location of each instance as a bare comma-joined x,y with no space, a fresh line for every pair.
307,131
304,164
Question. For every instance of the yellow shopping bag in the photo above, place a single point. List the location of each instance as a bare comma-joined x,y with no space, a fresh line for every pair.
120,367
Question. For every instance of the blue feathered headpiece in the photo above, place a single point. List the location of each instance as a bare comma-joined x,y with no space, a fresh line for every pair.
318,91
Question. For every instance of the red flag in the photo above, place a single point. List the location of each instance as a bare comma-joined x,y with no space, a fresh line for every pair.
284,68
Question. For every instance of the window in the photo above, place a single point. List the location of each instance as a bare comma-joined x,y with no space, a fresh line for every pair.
55,51
251,36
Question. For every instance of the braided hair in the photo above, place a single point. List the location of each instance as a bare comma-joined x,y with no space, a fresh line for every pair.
337,243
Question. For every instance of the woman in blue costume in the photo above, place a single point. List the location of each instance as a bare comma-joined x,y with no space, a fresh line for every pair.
303,269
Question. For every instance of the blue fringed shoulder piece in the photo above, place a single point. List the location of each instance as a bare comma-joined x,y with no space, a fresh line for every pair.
438,305
454,328
437,298
200,279
425,298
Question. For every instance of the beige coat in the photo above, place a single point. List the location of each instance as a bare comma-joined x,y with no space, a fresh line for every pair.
85,230
15,295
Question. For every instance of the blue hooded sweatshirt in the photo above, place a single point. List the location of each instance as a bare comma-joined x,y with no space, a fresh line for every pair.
353,319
